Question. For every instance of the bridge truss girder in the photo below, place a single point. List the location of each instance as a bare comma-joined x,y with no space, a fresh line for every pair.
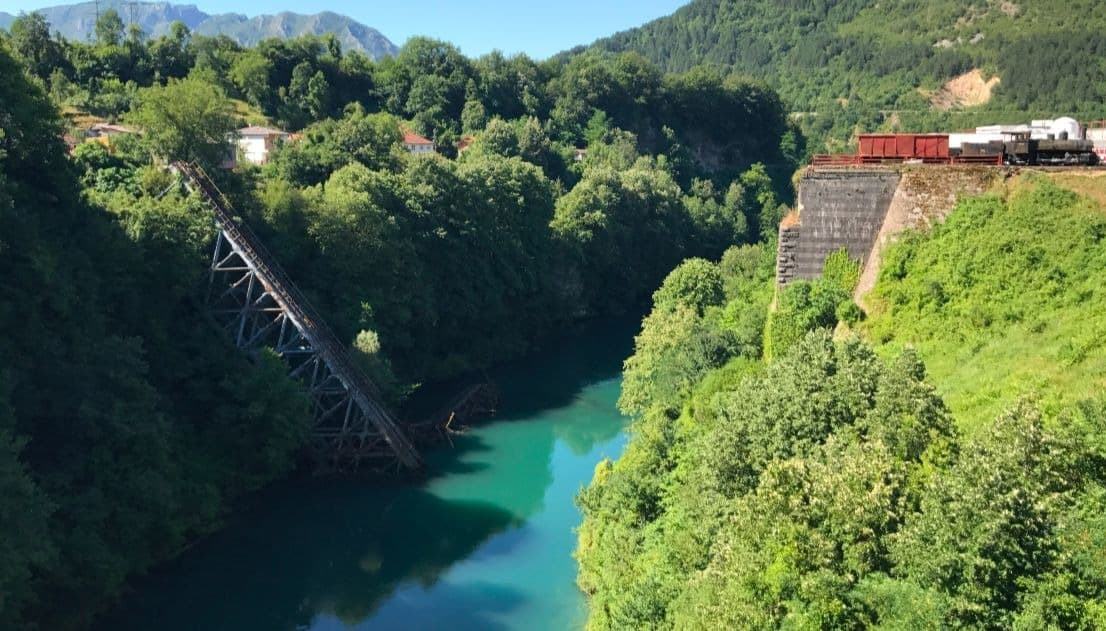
344,433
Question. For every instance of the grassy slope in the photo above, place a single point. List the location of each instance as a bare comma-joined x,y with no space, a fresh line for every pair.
1006,299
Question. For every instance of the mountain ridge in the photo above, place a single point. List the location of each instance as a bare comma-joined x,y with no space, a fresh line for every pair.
77,21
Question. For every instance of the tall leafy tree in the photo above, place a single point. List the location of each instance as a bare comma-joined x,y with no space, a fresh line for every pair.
30,37
187,119
109,28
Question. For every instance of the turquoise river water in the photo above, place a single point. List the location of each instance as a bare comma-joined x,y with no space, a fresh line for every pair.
484,542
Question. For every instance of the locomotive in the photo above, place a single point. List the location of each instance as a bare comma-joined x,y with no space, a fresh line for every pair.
1060,142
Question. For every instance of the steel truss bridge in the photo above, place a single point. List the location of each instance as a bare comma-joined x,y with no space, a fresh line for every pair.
259,306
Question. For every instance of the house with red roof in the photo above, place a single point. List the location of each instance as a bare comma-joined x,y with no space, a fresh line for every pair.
416,144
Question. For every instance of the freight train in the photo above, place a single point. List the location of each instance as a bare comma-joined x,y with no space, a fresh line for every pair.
1059,142
1043,142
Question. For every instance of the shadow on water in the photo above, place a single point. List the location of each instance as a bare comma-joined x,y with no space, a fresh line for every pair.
549,378
332,553
339,550
555,377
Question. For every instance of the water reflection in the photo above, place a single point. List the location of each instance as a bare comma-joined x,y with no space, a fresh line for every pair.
334,554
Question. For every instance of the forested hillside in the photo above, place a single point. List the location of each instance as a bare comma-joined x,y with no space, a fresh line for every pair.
814,482
128,424
848,64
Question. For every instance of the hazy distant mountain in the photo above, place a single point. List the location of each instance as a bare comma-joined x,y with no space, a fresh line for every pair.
77,21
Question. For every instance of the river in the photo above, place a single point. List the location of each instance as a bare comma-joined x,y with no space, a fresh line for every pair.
484,542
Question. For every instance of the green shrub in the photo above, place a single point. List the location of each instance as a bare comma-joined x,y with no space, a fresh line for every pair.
841,270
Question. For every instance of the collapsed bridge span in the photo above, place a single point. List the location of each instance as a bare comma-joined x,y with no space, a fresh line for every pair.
255,301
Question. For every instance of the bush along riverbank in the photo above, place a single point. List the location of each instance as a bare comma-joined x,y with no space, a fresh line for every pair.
831,485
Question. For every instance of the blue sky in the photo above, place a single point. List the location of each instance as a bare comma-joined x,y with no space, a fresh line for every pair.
539,29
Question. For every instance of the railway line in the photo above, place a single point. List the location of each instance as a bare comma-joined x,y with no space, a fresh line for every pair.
1063,142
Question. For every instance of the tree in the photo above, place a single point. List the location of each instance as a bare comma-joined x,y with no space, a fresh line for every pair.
675,349
308,96
30,37
427,103
370,139
989,518
250,74
803,306
533,142
473,117
695,283
170,55
188,119
25,548
760,496
717,224
109,28
499,137
760,203
627,228
136,37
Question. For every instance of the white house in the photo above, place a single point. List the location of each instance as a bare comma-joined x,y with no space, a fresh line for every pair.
415,143
255,142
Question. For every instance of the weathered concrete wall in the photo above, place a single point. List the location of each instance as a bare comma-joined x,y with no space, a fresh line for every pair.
837,209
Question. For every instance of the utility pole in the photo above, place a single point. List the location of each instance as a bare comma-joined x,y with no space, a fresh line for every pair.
92,33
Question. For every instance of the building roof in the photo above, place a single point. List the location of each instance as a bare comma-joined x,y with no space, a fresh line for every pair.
110,128
465,143
257,130
415,139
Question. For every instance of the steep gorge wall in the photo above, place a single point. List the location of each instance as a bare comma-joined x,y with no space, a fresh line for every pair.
862,210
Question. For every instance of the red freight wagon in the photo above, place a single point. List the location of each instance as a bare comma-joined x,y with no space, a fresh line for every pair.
898,147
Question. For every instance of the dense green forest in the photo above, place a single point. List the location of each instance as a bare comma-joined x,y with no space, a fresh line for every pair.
832,481
863,64
125,424
128,425
681,148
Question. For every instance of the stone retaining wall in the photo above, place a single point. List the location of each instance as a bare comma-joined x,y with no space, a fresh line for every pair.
862,210
837,209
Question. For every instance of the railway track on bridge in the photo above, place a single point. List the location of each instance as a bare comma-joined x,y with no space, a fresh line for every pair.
255,300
